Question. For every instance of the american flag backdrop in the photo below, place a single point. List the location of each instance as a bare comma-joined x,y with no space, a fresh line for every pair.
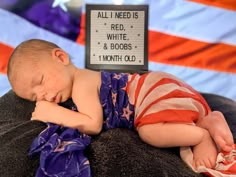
192,39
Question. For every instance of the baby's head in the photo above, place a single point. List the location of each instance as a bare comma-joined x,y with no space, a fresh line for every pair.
36,70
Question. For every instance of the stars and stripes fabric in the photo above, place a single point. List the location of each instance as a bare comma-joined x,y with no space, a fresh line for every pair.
131,101
117,109
161,97
192,39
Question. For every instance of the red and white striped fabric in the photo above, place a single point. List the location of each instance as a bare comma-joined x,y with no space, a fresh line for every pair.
225,163
161,97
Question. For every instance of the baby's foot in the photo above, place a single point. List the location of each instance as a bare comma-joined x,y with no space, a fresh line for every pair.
204,154
220,132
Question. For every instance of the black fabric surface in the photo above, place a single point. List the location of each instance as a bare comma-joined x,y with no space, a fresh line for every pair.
117,152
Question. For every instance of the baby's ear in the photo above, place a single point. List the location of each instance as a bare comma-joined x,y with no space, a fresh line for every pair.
61,56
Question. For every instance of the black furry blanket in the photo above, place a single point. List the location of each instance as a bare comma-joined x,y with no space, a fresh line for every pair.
117,152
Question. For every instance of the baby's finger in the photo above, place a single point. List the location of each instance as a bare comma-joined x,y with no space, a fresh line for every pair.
37,103
33,114
33,118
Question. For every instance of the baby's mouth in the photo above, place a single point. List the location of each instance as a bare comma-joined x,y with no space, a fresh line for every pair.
57,99
53,99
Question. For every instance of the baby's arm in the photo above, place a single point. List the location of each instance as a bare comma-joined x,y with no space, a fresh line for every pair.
51,112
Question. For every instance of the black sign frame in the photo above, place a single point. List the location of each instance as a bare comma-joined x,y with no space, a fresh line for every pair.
116,67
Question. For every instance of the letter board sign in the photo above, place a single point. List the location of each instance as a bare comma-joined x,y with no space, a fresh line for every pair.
116,37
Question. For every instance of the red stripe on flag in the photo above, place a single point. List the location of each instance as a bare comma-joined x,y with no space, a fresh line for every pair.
168,49
226,4
164,81
173,94
5,51
172,115
139,86
81,37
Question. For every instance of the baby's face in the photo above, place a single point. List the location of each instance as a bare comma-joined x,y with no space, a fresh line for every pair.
47,80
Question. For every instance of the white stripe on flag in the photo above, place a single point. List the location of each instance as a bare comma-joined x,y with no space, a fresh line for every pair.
193,20
15,30
201,80
187,19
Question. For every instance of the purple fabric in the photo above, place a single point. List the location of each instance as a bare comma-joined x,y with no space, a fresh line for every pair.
117,110
42,14
6,4
54,19
62,149
61,152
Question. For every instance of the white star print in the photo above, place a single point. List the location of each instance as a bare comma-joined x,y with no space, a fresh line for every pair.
61,145
127,112
61,4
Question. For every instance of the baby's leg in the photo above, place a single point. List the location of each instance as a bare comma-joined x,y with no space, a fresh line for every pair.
176,134
218,128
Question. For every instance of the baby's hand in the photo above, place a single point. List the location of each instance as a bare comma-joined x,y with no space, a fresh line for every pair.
44,111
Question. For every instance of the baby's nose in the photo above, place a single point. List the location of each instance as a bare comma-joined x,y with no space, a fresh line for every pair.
41,97
39,92
50,97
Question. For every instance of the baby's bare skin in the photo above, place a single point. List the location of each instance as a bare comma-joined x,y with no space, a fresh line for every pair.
205,153
218,128
218,136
